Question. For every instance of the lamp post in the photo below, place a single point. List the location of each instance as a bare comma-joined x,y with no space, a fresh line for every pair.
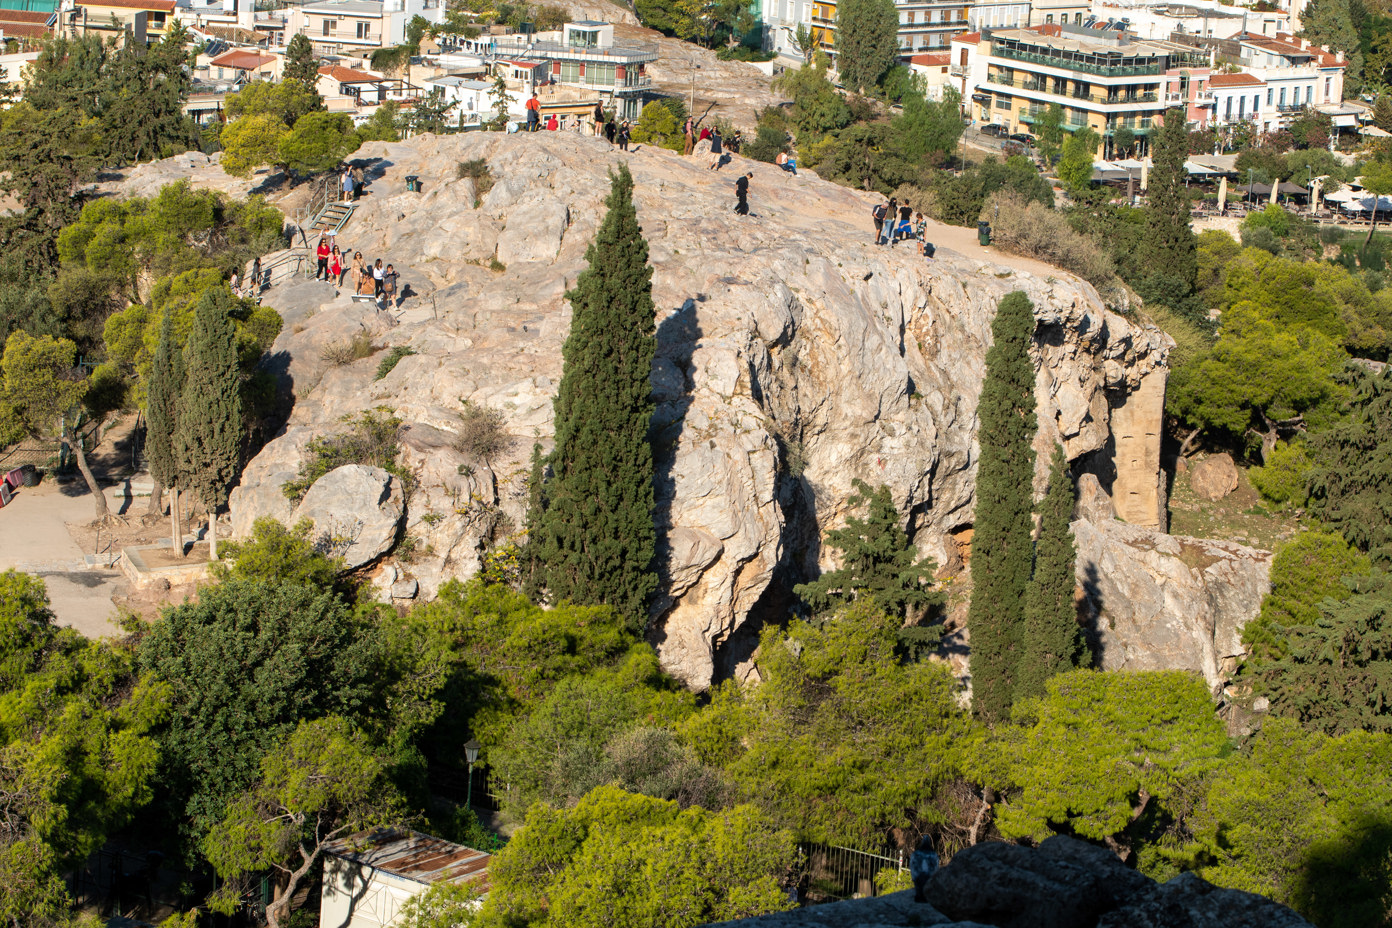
471,749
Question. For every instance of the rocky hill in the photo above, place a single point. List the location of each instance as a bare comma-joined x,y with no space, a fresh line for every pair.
794,356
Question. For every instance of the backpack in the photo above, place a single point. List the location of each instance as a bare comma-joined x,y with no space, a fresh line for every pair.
878,213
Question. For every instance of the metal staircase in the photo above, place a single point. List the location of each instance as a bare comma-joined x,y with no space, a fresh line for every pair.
332,218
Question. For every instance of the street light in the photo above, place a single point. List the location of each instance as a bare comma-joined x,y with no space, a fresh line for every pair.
471,749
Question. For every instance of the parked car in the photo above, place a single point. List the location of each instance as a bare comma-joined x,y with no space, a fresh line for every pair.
1024,138
994,130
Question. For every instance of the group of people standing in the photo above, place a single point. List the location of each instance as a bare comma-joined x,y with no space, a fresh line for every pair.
618,132
369,278
900,222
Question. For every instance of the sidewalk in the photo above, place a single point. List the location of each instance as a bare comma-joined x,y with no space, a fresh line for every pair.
34,538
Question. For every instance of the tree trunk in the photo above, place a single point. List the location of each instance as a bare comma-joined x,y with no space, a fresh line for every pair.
176,535
212,533
96,491
1369,240
1189,440
280,905
156,507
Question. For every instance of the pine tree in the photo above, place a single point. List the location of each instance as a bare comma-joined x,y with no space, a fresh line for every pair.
596,538
1173,251
1052,640
1382,111
1331,23
208,446
1001,543
162,416
867,39
300,63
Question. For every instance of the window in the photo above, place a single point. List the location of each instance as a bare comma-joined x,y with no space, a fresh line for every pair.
1077,19
1241,107
1283,98
912,17
600,74
1227,113
570,71
1002,103
362,30
964,58
1256,98
1269,92
330,26
1049,19
1328,88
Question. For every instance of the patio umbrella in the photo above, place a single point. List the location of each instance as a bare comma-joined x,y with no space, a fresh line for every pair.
1145,175
1275,188
1293,190
1314,195
1222,194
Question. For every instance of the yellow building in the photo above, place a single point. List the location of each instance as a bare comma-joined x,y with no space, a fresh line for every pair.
145,19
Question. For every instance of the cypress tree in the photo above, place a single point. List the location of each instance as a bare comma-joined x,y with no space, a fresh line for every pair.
1052,641
301,64
1001,543
1174,254
596,539
162,417
208,447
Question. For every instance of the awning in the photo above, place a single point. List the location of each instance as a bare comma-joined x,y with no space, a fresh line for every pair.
1256,190
1292,190
1375,132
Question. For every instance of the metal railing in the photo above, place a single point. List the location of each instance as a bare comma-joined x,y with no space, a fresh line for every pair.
1074,64
644,51
835,872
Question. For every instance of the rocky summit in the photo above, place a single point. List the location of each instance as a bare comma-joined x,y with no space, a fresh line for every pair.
794,357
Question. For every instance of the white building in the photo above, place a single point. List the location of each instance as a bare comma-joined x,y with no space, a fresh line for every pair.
1150,19
337,27
1281,76
370,876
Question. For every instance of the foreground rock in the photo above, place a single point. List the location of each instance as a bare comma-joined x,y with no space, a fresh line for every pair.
1064,883
793,357
1214,477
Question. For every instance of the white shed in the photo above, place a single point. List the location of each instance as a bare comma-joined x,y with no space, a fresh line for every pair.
370,876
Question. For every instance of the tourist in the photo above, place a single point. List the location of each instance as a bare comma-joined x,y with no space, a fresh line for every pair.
533,113
377,272
322,253
890,217
389,285
359,182
920,227
364,279
905,229
347,184
336,265
256,276
878,214
235,283
705,134
598,116
551,122
359,268
624,132
717,150
787,162
610,130
733,143
689,132
742,192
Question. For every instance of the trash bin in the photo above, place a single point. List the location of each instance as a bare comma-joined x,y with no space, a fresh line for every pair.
983,233
412,183
31,475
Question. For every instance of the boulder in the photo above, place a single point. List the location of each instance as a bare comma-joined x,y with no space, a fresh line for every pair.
1166,602
1094,504
1062,883
1214,477
356,511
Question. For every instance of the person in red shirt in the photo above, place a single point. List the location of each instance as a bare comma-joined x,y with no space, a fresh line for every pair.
533,113
551,122
336,265
322,253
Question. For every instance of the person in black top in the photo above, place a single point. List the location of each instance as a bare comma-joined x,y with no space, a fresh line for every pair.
717,150
742,192
610,130
623,133
598,120
905,229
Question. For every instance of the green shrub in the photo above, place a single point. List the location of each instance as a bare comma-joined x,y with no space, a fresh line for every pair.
479,172
1029,228
1282,479
1307,570
393,357
371,440
482,432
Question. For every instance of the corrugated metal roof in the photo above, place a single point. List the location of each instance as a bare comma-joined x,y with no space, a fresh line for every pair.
415,856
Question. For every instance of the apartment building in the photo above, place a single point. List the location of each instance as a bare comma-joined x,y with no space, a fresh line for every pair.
146,20
347,27
1105,81
930,26
582,55
1280,76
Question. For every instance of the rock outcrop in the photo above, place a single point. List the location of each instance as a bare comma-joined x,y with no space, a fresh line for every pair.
793,357
1214,477
1063,883
356,510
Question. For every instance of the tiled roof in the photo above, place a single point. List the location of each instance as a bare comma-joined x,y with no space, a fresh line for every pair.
243,60
971,38
348,75
24,16
13,30
1235,80
931,61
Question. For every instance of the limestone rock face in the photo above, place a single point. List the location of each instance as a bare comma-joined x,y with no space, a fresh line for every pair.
793,357
357,510
1163,602
1214,477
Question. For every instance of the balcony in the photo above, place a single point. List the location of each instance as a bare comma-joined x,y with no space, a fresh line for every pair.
1002,79
958,70
625,51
